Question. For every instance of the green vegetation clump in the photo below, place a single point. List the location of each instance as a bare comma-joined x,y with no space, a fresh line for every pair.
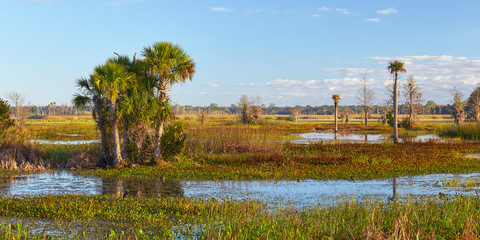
173,140
5,121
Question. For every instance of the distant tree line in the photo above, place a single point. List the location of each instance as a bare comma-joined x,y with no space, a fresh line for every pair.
214,109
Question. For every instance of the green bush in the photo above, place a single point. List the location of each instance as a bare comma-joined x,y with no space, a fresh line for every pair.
390,118
5,121
173,140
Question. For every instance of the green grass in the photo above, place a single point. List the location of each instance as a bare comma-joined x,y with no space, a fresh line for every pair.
315,161
467,131
423,217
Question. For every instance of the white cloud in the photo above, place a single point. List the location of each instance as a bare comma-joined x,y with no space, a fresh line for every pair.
343,10
387,11
373,20
325,9
437,75
210,84
220,9
348,71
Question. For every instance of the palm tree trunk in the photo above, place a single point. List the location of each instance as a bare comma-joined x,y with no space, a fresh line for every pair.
125,139
157,154
395,109
105,156
118,160
336,129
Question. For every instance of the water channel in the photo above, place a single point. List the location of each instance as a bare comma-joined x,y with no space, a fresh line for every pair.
299,193
314,137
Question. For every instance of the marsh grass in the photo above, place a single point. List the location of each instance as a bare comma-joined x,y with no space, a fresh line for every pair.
17,154
467,131
315,161
62,130
452,217
233,139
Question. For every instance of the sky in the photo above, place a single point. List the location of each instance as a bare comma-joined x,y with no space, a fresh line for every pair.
285,52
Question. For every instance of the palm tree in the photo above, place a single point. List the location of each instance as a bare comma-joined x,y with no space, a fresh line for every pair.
90,94
136,105
113,79
336,99
395,67
170,64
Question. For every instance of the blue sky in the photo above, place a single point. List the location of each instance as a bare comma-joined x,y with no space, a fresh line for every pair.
285,52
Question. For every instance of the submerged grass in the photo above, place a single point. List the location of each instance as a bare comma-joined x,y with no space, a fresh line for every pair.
464,183
414,218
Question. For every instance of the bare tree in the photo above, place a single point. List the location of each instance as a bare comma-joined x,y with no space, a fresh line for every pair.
458,107
413,97
17,100
256,109
249,110
244,109
345,115
365,97
294,114
472,108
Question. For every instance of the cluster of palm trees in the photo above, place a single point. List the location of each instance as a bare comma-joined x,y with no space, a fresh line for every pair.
132,95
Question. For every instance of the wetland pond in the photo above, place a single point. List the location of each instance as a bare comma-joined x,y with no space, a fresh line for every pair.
314,137
299,193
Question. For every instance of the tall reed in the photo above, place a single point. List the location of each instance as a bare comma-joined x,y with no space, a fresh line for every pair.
232,139
467,131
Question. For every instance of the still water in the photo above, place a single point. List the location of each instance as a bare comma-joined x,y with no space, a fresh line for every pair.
300,193
314,137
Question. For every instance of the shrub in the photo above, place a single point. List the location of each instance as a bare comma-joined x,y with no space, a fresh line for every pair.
173,140
5,121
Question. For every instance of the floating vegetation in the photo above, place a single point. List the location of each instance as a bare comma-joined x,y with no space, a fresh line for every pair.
464,183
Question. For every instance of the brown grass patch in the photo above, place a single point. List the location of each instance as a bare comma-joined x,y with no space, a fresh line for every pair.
22,158
81,161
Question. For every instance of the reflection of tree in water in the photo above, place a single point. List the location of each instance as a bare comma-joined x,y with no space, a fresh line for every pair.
7,181
135,187
394,187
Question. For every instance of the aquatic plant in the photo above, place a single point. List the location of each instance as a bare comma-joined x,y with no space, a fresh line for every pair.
465,183
450,217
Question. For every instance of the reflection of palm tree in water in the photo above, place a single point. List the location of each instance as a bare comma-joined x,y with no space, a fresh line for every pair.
134,187
395,187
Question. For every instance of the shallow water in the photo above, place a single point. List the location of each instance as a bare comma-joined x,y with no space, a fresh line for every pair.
302,193
65,142
314,137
